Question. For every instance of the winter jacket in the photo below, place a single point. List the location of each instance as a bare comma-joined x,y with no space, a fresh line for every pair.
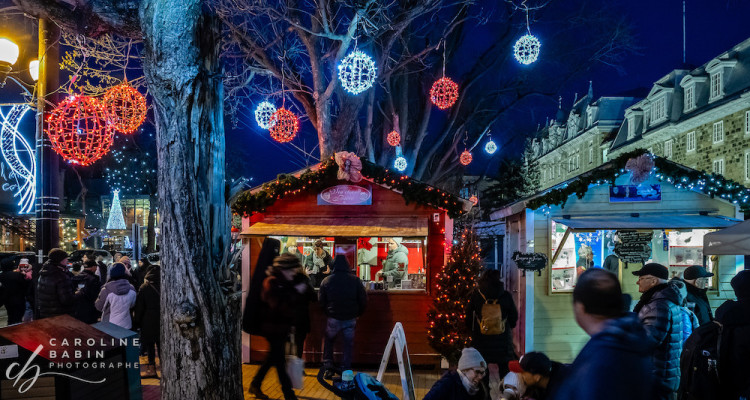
255,308
54,292
659,312
450,387
734,360
89,286
342,295
391,263
283,302
689,320
615,364
115,301
698,301
14,289
102,272
612,264
497,349
303,311
147,311
312,268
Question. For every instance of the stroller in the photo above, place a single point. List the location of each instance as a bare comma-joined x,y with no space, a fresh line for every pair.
362,387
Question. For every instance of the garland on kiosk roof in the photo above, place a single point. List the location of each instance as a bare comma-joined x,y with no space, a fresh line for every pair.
681,177
411,190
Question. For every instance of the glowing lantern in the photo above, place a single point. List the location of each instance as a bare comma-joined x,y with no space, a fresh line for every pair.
444,93
125,108
78,130
284,125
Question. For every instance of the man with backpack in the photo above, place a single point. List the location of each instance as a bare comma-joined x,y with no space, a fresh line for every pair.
491,317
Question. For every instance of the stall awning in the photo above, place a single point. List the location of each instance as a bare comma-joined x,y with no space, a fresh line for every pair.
663,221
353,227
734,240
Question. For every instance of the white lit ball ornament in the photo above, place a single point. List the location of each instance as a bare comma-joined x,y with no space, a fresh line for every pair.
400,163
526,49
490,147
263,114
357,72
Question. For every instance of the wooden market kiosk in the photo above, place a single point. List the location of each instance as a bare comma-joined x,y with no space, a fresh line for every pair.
356,219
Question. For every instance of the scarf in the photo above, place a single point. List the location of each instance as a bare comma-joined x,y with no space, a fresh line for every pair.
646,297
470,388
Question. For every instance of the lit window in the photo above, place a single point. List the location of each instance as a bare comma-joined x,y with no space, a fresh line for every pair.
689,98
668,149
719,166
716,90
690,142
718,132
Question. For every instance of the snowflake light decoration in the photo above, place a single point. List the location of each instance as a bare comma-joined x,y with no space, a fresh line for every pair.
263,114
466,157
125,107
79,131
400,163
526,49
394,138
357,72
284,125
490,147
20,157
444,93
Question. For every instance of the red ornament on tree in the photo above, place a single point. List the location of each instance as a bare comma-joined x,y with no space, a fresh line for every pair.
444,93
284,125
466,158
125,107
78,130
394,138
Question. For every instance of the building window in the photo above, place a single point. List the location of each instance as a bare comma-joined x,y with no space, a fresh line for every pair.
747,166
690,142
747,122
570,164
591,154
578,161
631,128
718,132
719,166
716,90
590,117
689,98
668,148
659,110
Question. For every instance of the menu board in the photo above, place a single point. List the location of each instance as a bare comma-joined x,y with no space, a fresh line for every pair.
633,247
530,261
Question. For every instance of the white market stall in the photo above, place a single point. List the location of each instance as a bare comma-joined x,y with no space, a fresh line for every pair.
734,240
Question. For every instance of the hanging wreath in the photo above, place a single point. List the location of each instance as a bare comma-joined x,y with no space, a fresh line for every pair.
444,93
78,130
466,157
394,138
640,168
125,107
284,125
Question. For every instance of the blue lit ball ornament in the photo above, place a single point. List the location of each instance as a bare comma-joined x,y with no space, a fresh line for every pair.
526,49
357,72
400,163
263,114
490,147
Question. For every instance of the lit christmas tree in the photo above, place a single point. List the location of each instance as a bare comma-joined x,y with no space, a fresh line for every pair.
116,221
447,332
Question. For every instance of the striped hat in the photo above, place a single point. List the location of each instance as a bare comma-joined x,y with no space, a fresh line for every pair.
286,261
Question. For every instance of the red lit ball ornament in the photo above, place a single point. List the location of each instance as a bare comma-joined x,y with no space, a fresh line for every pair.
284,125
444,93
394,138
78,130
125,107
466,158
474,199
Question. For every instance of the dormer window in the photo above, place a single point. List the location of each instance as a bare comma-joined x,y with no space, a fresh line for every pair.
689,98
716,85
590,117
659,110
631,128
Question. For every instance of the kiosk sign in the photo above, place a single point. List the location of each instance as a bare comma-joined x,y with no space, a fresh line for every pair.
345,195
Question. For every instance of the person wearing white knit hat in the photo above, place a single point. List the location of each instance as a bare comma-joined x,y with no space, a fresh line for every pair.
465,383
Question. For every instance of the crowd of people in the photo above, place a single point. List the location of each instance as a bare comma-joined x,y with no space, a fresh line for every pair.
89,291
669,346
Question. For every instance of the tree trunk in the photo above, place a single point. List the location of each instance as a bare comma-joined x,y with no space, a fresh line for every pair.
200,335
151,229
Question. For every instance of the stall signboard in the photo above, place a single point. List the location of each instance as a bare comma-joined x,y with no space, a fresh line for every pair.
633,193
530,261
634,247
345,195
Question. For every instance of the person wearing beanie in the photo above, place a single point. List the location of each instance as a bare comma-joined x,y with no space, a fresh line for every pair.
660,314
395,263
88,287
285,291
343,299
54,290
464,383
696,280
734,360
117,297
318,263
291,248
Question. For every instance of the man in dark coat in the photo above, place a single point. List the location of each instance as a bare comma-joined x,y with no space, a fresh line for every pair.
253,304
616,362
147,317
14,289
535,374
465,383
343,299
696,279
496,349
99,258
659,312
89,286
734,360
54,292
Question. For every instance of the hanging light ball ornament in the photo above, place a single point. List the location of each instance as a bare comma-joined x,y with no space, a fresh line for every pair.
125,107
490,147
263,114
474,199
444,93
284,125
394,138
400,163
79,131
526,49
357,72
466,157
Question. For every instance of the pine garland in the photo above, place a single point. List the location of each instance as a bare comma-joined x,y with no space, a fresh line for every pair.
682,177
411,190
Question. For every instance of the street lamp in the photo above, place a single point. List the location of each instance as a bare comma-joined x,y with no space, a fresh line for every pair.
8,57
34,69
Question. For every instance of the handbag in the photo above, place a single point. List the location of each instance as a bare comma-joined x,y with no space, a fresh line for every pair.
295,366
